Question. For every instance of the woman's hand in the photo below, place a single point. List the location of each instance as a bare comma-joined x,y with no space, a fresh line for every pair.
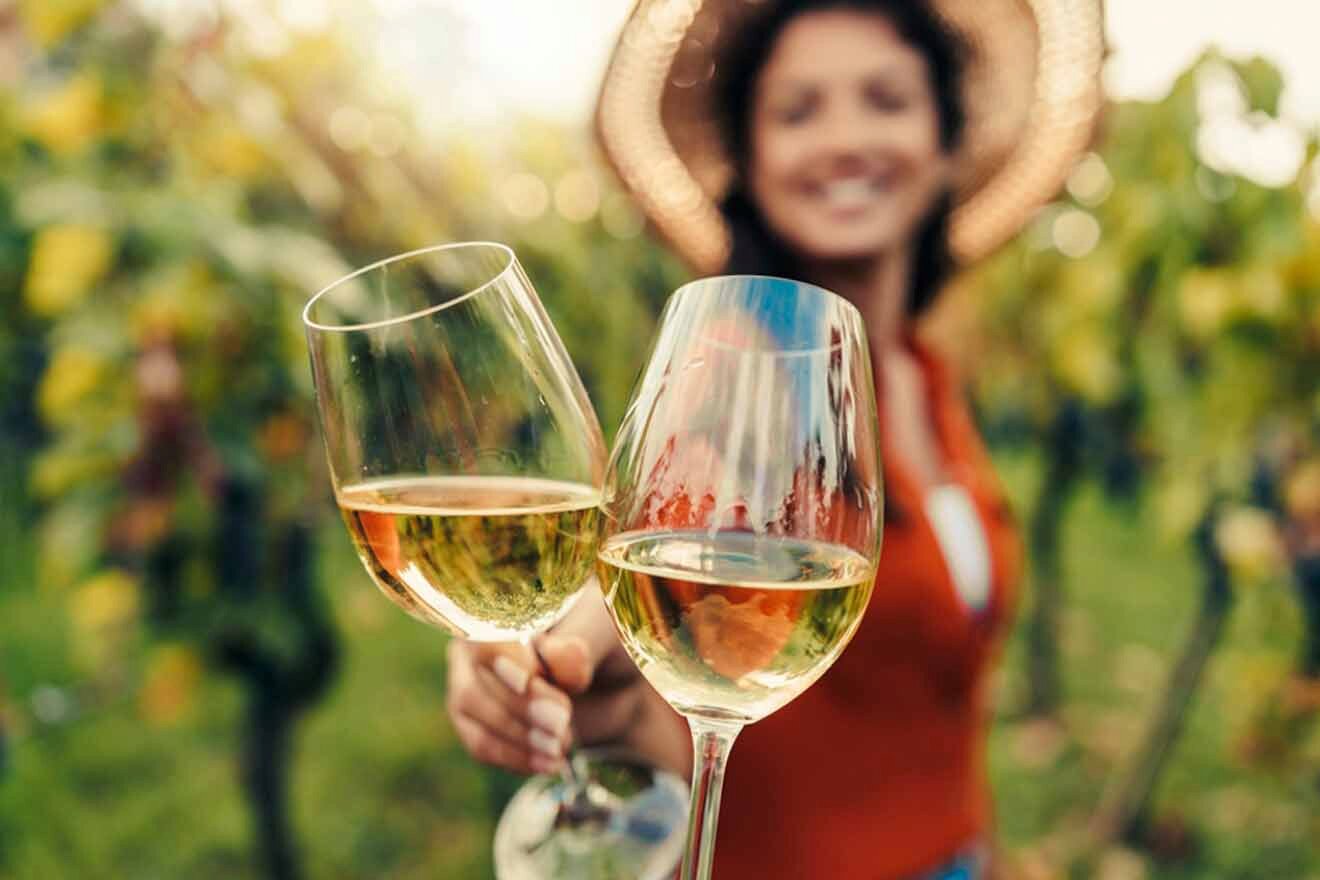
517,710
505,711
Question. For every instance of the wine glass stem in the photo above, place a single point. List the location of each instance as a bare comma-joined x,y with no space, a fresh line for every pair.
573,783
711,742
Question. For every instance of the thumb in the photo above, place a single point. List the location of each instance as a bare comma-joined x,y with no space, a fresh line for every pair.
567,661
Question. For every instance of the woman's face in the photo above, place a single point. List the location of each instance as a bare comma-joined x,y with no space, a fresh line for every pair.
845,138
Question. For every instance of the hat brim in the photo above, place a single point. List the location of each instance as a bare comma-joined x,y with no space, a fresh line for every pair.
1031,95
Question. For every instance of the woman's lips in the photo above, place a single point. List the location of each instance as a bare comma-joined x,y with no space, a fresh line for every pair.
848,195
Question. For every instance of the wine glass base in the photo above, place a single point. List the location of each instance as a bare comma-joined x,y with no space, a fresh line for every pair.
634,829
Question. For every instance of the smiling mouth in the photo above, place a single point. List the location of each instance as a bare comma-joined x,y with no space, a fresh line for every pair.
850,193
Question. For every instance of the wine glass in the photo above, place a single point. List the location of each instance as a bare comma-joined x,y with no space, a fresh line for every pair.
742,510
465,456
466,460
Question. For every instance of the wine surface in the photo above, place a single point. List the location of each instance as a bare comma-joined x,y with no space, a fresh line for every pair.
488,558
732,625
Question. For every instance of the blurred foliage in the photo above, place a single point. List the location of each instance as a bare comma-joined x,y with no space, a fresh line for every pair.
171,195
1158,331
1185,324
169,199
1222,807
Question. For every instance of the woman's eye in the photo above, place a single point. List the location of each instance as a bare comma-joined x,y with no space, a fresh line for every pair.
794,114
886,100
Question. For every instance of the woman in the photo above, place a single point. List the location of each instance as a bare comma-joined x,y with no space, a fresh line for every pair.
845,127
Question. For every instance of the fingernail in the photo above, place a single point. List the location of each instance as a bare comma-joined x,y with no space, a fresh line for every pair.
549,715
543,764
513,675
545,743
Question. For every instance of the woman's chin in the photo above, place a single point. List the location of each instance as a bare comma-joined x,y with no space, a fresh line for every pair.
846,249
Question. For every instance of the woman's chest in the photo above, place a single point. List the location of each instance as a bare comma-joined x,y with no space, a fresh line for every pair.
919,623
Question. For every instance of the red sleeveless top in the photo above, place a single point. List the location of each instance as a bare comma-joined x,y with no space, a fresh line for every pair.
878,770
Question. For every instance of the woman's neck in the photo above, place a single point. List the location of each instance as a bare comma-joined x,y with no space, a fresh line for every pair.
880,289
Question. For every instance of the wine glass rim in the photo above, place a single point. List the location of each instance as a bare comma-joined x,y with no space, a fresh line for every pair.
777,353
420,313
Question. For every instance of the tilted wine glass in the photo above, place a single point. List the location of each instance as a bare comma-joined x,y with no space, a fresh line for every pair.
464,454
466,460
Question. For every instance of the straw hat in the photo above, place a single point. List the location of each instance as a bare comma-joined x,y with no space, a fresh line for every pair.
1031,94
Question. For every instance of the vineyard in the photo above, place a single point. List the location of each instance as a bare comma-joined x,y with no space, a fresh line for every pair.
195,679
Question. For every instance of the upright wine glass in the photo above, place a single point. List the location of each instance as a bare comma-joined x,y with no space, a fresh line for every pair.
466,460
742,510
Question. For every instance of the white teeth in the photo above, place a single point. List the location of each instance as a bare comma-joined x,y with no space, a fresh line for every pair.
848,193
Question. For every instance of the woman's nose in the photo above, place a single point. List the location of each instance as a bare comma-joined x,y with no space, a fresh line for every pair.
844,132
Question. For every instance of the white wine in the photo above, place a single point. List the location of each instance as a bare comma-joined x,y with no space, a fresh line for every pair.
488,558
732,625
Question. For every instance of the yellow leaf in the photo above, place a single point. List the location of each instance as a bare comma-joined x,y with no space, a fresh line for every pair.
1303,271
1095,283
1301,491
176,301
108,601
67,260
229,151
1180,505
1085,362
1118,863
1249,542
1262,293
68,544
73,374
50,21
173,674
66,119
56,471
1205,302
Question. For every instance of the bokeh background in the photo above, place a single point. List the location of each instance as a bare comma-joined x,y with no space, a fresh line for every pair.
196,678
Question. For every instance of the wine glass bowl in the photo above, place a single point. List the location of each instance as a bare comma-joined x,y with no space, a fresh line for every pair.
464,453
731,626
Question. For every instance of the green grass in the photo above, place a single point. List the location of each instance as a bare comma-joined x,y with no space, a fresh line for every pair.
1131,601
381,788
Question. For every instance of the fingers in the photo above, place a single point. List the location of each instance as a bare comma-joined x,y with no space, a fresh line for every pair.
487,704
507,693
490,749
512,662
502,713
590,621
567,661
538,718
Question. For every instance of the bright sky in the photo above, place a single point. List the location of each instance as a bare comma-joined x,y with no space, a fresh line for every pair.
543,56
547,55
1154,40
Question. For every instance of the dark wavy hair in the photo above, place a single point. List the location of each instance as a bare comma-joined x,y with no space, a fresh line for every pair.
756,249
